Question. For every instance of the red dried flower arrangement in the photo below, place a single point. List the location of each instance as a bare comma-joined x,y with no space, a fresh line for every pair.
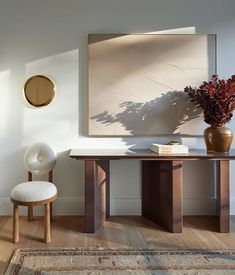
216,98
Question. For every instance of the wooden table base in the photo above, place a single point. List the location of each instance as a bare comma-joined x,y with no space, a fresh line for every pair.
96,193
223,196
162,193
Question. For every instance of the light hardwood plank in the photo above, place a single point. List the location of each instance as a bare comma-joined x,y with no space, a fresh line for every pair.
198,232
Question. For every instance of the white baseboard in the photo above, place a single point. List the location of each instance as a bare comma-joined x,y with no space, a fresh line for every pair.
199,206
191,206
125,206
118,206
232,206
62,206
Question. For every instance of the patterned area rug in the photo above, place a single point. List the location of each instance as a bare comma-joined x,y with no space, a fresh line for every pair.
104,261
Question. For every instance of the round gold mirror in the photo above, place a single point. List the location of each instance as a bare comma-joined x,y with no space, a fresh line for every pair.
39,90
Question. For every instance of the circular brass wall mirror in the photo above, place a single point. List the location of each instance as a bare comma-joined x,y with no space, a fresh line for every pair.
39,90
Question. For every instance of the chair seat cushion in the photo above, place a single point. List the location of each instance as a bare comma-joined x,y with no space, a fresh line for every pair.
32,191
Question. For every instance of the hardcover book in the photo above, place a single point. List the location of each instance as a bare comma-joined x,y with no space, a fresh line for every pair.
169,149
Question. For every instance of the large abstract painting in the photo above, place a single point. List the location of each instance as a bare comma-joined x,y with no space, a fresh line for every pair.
136,83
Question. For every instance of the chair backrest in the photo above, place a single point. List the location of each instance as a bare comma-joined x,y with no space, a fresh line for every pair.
39,159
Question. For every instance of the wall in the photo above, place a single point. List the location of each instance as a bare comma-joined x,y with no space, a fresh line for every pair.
50,37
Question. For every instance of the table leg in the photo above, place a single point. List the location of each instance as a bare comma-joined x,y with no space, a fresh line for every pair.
223,199
162,193
96,193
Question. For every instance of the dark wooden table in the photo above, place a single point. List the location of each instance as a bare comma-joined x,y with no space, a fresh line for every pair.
161,185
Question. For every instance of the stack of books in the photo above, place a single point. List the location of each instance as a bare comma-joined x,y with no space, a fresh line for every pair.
169,149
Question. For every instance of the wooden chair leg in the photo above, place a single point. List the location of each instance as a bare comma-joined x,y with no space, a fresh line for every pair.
47,229
51,210
15,224
30,213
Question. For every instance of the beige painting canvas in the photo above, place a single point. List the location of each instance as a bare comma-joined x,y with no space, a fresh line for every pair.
136,83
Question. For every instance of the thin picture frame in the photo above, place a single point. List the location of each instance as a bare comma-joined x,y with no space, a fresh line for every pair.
124,94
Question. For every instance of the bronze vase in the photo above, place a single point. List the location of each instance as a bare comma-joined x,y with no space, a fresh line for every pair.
218,139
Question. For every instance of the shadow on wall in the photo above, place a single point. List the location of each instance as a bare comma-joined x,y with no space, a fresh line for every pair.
163,115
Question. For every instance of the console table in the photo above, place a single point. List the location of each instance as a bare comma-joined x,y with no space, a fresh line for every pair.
161,185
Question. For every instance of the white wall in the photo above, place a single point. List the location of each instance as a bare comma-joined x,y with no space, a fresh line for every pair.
50,37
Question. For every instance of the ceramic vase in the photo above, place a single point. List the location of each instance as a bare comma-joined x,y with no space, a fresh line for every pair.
218,139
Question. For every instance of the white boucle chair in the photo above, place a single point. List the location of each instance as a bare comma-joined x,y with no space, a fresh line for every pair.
39,159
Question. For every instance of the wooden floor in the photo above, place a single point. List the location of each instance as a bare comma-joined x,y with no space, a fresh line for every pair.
198,232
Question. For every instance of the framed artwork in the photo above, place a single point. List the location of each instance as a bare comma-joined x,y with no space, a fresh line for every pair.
136,83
